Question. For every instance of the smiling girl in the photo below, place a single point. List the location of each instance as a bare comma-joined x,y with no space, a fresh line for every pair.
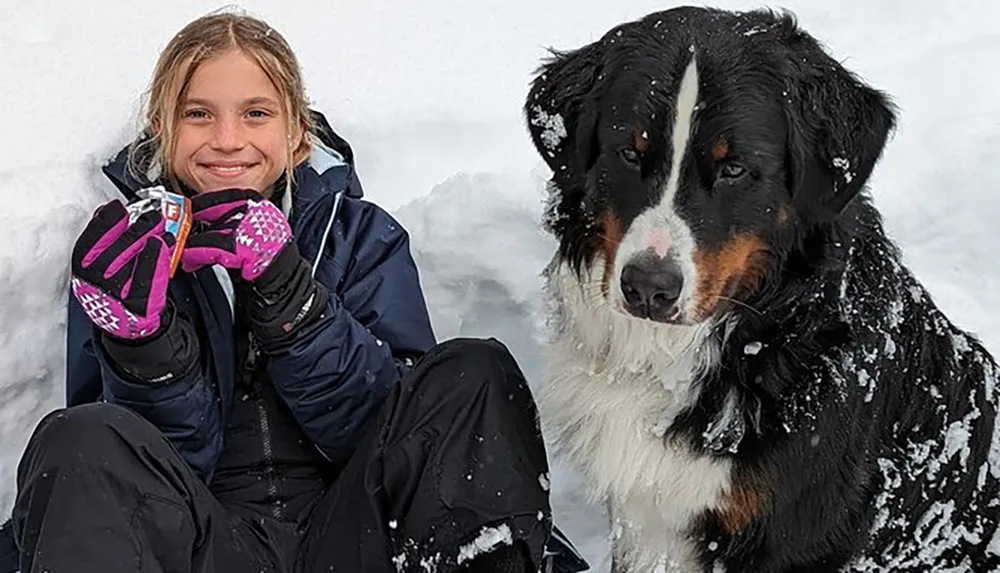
280,403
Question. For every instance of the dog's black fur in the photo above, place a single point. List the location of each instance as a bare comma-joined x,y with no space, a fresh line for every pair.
867,434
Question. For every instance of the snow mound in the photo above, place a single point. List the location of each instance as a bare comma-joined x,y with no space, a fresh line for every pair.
34,278
478,242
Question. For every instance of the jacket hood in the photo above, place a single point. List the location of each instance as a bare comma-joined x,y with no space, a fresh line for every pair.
329,169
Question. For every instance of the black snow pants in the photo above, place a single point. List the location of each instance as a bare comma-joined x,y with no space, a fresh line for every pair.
449,476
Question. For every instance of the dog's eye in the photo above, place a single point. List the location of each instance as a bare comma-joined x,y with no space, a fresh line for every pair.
732,171
631,156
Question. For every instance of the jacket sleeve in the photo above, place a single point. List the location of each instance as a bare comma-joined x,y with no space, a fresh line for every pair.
183,409
337,374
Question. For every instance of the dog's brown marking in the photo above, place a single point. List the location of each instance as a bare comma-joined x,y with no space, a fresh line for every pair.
640,139
721,150
731,270
611,237
742,504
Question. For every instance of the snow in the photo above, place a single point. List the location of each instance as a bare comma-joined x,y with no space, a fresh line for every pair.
488,539
994,546
845,166
429,94
554,130
544,481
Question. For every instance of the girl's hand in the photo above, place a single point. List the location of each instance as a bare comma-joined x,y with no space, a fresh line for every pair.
120,271
236,228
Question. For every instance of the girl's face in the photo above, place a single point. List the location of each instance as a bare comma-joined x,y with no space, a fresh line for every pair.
232,130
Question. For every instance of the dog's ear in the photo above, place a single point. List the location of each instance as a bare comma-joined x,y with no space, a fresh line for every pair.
561,118
837,129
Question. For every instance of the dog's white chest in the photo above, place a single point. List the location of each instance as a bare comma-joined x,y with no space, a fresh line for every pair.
610,423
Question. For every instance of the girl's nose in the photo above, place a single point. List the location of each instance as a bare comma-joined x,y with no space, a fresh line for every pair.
229,134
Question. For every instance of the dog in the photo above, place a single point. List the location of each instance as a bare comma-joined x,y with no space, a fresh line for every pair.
740,365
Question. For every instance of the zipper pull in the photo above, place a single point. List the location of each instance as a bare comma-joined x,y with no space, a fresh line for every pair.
250,364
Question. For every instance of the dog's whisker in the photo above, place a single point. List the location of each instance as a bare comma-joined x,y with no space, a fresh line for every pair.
739,303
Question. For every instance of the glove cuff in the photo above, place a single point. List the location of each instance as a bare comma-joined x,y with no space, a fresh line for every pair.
168,355
286,301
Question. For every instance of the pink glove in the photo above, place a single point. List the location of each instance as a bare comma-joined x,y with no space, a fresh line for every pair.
120,272
236,228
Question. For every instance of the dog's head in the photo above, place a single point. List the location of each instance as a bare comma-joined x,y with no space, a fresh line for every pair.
687,147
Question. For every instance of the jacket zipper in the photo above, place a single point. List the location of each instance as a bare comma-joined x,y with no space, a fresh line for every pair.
264,425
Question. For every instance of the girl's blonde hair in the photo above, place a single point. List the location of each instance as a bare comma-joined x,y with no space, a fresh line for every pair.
199,41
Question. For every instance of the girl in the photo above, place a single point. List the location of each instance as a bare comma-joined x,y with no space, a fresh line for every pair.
279,403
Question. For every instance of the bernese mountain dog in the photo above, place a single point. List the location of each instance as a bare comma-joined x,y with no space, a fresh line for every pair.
740,365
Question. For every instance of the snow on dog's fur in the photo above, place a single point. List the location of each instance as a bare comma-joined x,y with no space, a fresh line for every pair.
740,365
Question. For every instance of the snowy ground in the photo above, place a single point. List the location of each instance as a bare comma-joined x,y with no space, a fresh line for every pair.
429,93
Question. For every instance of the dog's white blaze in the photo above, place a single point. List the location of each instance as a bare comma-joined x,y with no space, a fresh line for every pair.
611,385
661,217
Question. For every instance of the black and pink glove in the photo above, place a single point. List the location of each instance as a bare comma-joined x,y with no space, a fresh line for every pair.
120,272
238,229
244,232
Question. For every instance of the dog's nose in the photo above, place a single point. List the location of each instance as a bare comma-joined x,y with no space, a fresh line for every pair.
651,285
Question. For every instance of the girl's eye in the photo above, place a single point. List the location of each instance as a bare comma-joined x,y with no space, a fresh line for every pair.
196,114
258,114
